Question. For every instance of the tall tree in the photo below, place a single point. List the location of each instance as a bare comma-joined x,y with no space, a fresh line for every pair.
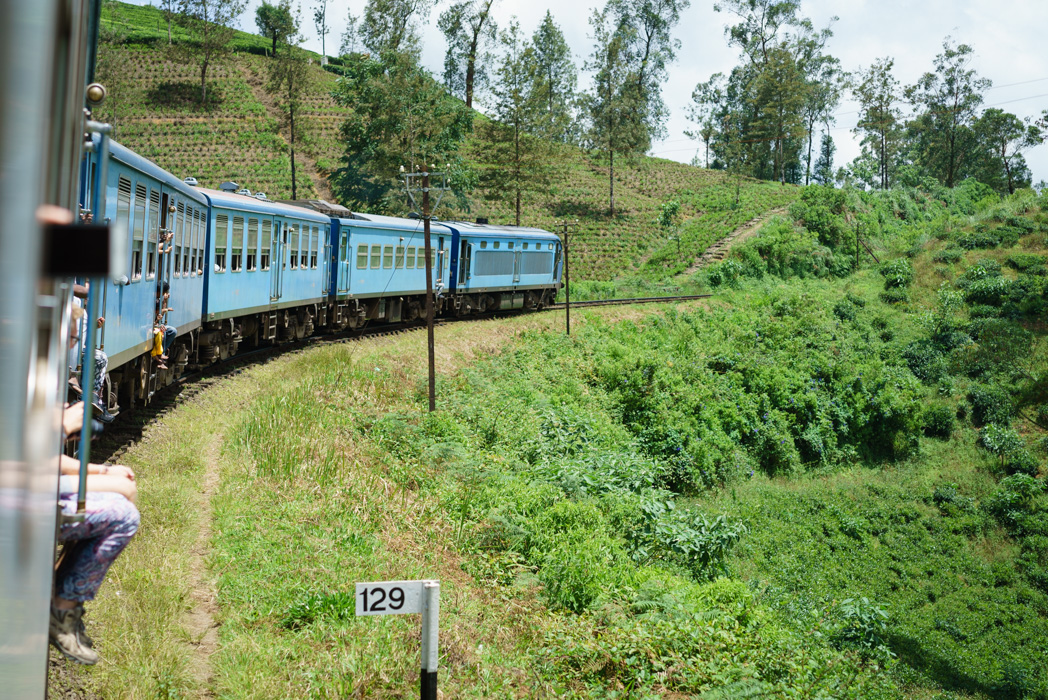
168,8
655,48
1002,138
350,37
762,25
391,25
706,100
398,116
779,97
289,81
468,28
515,162
320,22
275,21
554,80
209,24
823,84
947,101
617,124
879,122
823,172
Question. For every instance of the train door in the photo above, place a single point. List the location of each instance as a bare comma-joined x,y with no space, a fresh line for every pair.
440,260
280,234
516,266
467,253
344,273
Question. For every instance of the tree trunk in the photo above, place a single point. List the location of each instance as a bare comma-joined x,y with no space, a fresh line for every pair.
1008,172
274,43
291,115
611,179
811,135
169,30
516,165
203,83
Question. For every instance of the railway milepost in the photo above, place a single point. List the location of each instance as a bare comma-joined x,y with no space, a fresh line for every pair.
406,598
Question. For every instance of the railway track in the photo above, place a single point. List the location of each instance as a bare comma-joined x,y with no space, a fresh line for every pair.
637,300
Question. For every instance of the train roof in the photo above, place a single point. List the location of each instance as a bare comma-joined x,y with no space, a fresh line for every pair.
128,157
242,202
395,223
472,229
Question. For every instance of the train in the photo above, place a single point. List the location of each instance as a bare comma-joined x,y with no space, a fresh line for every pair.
242,270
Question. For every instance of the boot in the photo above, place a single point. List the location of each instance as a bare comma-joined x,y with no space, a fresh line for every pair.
100,410
62,632
81,630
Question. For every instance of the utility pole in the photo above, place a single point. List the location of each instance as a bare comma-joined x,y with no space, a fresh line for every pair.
430,304
566,225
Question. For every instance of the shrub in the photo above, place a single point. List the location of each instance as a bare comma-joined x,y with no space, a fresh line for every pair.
1024,261
897,273
989,291
925,361
949,255
865,627
990,404
973,241
938,421
895,296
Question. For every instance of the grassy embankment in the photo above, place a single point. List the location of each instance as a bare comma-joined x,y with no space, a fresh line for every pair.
823,483
154,105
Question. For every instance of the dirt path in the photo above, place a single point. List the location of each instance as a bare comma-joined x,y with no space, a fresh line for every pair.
719,250
305,165
200,623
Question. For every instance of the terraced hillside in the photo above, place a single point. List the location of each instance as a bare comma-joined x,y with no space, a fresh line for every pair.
237,135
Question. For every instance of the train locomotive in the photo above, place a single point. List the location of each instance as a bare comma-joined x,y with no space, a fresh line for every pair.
243,270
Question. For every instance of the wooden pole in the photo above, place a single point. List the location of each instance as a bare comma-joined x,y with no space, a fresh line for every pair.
429,294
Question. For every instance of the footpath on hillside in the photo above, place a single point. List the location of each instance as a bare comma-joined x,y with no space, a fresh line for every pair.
719,250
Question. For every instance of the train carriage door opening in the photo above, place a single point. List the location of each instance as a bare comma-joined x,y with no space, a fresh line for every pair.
516,265
344,273
464,265
441,256
167,223
280,238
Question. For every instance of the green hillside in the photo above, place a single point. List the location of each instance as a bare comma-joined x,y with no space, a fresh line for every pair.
155,109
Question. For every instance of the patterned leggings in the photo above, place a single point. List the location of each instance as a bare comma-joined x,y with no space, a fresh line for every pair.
101,364
94,543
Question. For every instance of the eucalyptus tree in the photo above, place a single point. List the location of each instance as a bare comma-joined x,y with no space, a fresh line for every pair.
554,80
823,171
707,99
320,22
275,21
946,101
516,160
168,8
1002,138
616,108
880,118
392,25
397,116
209,24
468,29
289,81
351,37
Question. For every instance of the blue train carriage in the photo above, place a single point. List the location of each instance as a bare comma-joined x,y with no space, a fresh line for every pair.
267,268
502,267
147,202
379,267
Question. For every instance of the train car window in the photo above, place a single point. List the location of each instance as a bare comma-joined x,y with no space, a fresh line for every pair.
496,245
293,248
398,258
551,246
190,242
410,260
510,245
139,231
376,257
252,245
178,238
303,253
198,258
525,246
420,261
154,227
362,257
314,248
236,251
267,238
343,250
387,257
123,214
483,245
221,236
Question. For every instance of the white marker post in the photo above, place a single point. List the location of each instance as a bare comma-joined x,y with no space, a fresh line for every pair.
404,598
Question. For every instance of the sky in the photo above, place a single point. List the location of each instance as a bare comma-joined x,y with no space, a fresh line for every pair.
1007,37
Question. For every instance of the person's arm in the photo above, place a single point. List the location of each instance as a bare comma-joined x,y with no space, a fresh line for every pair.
70,466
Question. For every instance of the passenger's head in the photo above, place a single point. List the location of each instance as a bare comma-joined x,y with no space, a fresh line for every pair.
166,288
